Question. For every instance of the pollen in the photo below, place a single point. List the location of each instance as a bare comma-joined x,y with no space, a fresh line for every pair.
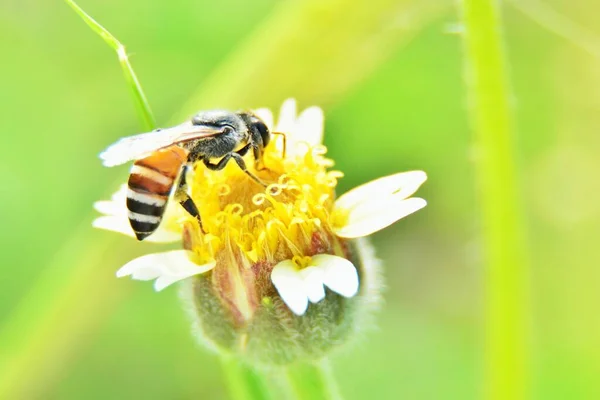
287,219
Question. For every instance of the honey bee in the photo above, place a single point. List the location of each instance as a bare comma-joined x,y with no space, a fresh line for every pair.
163,156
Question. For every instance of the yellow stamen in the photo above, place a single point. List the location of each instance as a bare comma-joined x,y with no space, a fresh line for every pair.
272,223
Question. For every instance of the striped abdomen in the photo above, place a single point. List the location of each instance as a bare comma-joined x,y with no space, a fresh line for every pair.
150,183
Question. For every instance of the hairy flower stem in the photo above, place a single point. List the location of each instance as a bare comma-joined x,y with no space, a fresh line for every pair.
506,269
312,381
243,382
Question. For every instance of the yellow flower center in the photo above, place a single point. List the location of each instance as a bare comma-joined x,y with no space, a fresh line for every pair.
273,223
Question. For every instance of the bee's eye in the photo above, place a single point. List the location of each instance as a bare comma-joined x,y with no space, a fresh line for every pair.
263,130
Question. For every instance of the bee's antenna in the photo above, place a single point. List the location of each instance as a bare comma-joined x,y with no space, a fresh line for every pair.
284,141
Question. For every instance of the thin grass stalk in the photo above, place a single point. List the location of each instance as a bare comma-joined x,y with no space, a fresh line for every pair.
139,98
506,267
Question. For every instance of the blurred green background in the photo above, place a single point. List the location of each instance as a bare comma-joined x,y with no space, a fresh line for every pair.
389,77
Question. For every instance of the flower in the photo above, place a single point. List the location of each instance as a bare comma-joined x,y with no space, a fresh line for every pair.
274,266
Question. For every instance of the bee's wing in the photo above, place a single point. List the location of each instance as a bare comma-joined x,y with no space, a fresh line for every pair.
139,146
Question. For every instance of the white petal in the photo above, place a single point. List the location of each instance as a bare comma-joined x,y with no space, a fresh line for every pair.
339,274
305,128
115,224
313,283
403,185
267,116
164,280
290,286
372,217
162,235
120,224
379,203
309,126
107,207
120,194
166,268
143,274
287,117
115,204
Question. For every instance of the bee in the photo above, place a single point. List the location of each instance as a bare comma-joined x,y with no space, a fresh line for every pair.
163,156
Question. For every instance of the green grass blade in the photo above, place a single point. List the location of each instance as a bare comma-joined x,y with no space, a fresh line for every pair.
506,268
141,102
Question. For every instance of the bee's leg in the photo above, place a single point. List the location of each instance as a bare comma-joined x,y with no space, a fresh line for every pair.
238,157
242,164
223,161
244,150
185,200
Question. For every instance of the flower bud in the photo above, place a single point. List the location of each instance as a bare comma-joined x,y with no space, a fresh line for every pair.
236,309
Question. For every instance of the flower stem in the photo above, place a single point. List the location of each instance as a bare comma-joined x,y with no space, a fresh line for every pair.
313,381
139,98
506,270
244,383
